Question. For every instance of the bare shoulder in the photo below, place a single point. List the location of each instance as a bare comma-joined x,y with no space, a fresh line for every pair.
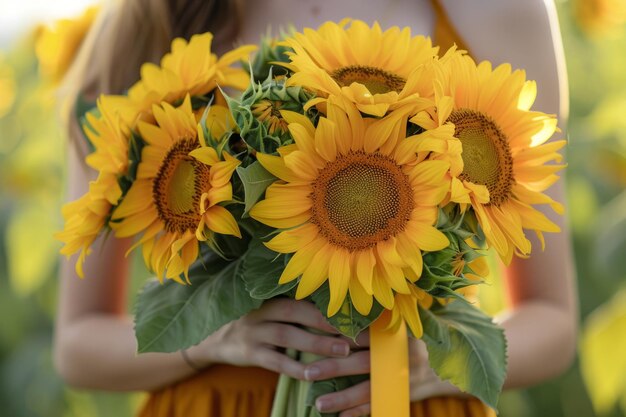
525,34
493,26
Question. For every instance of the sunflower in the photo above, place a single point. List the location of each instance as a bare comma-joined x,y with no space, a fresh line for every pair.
58,43
354,205
376,70
600,17
190,68
501,171
86,217
175,199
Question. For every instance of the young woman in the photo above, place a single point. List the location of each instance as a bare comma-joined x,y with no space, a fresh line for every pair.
234,371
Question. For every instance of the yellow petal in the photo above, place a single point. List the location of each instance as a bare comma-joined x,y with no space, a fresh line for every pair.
338,280
217,195
382,290
426,237
305,143
315,273
325,139
155,136
377,134
365,263
343,130
279,208
298,118
410,313
219,220
388,252
134,224
222,172
302,165
293,240
206,155
300,261
394,275
429,172
411,254
360,298
138,198
276,166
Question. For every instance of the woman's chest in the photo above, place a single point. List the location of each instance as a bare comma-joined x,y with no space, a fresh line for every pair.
261,15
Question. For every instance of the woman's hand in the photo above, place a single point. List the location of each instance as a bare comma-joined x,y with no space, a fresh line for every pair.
259,339
355,401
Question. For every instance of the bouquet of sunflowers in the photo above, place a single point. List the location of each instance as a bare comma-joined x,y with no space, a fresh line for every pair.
330,167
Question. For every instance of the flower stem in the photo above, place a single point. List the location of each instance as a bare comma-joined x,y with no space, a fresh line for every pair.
291,394
283,392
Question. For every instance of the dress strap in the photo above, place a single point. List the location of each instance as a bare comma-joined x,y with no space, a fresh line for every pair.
445,34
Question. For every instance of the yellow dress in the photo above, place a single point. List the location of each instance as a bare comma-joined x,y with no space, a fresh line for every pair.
230,391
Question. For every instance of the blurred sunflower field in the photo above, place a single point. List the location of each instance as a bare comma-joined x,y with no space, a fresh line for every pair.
32,149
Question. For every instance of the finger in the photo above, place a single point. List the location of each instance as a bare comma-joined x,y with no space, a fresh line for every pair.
289,336
293,311
360,411
277,362
358,363
353,397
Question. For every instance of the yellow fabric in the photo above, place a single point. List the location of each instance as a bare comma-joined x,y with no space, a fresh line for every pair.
389,350
218,391
229,391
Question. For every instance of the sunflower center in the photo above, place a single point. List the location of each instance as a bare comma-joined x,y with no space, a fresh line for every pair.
486,154
376,80
178,187
361,199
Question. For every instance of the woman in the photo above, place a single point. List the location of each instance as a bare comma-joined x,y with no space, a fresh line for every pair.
233,371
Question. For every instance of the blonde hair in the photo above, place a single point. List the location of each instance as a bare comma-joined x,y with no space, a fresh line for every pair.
128,33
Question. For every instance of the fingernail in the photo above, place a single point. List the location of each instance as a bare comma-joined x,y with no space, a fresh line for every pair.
311,373
340,349
323,404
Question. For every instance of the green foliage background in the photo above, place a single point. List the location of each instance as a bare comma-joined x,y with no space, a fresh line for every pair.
32,148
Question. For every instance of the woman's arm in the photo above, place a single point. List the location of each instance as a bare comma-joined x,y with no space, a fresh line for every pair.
541,324
95,343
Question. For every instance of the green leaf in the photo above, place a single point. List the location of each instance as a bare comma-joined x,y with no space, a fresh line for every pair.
255,181
466,348
171,316
261,270
348,320
439,282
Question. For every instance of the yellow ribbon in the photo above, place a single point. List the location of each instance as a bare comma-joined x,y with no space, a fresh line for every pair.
389,350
